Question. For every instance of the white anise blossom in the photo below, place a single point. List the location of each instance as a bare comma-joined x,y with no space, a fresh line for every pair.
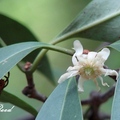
88,66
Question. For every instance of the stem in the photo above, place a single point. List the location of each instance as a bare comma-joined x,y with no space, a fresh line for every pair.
37,60
30,90
43,52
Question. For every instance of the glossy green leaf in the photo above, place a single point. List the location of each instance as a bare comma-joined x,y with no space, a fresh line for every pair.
8,97
115,114
62,104
116,45
11,55
100,20
13,32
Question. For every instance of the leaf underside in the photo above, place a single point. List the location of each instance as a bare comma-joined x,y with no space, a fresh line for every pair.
115,113
62,104
99,20
115,45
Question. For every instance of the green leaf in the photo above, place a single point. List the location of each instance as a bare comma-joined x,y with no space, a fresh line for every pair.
116,45
11,55
8,97
62,104
100,20
13,32
115,114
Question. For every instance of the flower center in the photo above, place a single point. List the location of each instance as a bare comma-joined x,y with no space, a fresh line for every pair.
89,72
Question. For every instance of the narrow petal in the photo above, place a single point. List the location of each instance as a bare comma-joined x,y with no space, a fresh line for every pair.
78,60
73,73
91,56
75,60
84,56
78,47
78,52
111,72
76,68
104,84
63,77
80,84
67,75
104,54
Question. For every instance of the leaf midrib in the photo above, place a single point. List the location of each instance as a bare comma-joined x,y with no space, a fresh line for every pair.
88,26
20,52
64,100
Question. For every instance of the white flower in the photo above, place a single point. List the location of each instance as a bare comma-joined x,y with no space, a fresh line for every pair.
88,66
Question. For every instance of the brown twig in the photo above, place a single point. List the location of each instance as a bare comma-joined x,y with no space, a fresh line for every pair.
95,101
30,90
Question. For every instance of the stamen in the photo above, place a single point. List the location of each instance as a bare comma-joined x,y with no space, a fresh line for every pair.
104,84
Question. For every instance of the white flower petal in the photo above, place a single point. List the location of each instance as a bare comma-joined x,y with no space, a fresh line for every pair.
67,75
73,68
91,56
84,56
79,60
75,60
111,72
63,77
73,73
104,54
78,47
80,84
104,84
78,52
